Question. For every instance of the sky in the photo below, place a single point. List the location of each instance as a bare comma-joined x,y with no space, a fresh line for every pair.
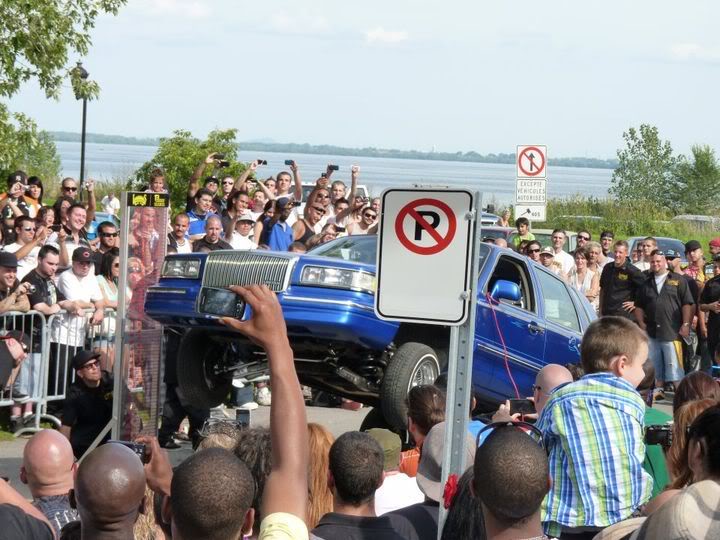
452,75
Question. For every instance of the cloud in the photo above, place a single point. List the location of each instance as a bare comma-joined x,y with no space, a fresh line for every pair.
298,24
190,9
380,35
694,52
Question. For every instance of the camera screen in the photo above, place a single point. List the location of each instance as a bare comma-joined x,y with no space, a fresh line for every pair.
219,302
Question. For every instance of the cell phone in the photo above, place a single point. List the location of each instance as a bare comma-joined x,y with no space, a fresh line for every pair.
661,435
221,302
261,161
333,167
339,229
289,162
295,203
522,406
323,175
223,163
55,228
242,417
138,448
218,155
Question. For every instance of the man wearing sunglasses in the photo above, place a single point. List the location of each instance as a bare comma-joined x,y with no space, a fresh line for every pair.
88,407
28,241
108,235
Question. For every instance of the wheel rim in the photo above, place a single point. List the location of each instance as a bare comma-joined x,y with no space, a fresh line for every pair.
425,372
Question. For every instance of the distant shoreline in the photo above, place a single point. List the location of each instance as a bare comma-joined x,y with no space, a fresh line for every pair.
294,148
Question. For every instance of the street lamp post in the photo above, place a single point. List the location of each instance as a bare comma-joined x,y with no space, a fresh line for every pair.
83,73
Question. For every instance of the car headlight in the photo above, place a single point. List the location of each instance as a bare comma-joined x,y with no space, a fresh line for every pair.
340,278
181,268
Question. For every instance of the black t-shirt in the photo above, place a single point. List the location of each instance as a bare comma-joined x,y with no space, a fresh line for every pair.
663,312
418,521
17,525
710,294
334,526
45,293
87,411
618,285
203,245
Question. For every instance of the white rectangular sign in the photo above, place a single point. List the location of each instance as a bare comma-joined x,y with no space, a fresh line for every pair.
531,161
530,191
423,260
534,212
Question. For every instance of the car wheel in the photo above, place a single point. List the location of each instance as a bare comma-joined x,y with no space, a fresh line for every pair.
413,364
375,419
197,357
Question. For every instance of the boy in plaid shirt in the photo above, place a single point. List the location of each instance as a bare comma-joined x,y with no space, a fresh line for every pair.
593,432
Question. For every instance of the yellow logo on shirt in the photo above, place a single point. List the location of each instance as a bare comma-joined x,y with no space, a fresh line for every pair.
673,282
622,276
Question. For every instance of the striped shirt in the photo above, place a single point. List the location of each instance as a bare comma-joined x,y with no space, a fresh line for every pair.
593,432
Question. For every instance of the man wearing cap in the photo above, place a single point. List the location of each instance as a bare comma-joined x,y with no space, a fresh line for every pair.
714,247
710,303
664,308
13,294
211,241
88,406
619,282
240,236
547,259
280,232
696,262
563,258
398,490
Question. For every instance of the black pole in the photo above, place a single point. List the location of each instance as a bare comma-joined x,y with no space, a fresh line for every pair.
82,151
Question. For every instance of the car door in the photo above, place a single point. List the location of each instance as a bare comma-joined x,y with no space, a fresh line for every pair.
563,323
509,336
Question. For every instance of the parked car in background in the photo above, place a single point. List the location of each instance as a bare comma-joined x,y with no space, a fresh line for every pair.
663,243
494,231
526,318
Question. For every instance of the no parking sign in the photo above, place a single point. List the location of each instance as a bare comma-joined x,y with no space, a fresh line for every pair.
424,247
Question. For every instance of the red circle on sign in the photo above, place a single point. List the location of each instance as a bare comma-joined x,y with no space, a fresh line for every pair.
441,242
540,169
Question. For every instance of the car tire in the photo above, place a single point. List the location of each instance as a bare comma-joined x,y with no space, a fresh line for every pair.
375,419
199,386
412,364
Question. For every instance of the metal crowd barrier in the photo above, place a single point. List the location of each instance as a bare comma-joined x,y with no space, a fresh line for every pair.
54,340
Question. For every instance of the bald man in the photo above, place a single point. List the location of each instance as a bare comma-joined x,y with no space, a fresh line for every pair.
211,241
110,493
48,468
547,380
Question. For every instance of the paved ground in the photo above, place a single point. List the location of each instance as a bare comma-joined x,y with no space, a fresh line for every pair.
338,421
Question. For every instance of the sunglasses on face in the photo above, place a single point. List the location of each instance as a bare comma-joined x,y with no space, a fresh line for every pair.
109,234
319,210
369,215
66,188
28,229
533,251
134,270
583,238
92,365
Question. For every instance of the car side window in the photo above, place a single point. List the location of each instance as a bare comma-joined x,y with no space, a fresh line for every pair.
511,269
559,305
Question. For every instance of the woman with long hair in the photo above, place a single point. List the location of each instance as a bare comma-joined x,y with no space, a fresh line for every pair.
583,279
104,339
259,230
320,500
34,195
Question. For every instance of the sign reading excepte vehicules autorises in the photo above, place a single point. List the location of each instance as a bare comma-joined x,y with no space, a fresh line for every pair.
423,262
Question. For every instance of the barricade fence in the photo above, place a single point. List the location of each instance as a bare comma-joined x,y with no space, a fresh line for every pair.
46,373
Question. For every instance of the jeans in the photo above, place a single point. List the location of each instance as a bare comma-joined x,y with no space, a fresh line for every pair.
665,359
28,382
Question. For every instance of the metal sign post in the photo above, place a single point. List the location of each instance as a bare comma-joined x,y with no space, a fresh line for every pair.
426,234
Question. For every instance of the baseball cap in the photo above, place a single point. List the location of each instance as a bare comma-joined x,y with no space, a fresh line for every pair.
391,445
282,202
547,251
692,245
83,357
715,242
211,180
82,254
693,513
671,254
429,474
246,215
8,260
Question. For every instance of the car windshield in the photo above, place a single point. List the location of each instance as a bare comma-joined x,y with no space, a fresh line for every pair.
363,249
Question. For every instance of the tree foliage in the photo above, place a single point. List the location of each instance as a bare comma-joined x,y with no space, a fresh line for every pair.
697,182
23,146
178,156
645,168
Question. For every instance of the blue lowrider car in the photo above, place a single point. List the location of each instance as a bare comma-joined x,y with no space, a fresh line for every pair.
526,317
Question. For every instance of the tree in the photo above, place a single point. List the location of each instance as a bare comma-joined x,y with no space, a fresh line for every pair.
36,38
179,156
697,183
645,168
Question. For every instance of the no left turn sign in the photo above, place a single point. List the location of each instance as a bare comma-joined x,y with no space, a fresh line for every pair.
432,224
423,257
531,161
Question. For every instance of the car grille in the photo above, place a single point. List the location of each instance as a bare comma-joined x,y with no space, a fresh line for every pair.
223,268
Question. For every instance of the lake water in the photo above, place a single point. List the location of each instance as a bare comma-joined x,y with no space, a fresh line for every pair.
108,161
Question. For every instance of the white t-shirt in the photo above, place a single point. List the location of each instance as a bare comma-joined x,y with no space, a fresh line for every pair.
567,262
28,263
70,329
110,206
660,281
238,241
642,265
398,490
184,248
